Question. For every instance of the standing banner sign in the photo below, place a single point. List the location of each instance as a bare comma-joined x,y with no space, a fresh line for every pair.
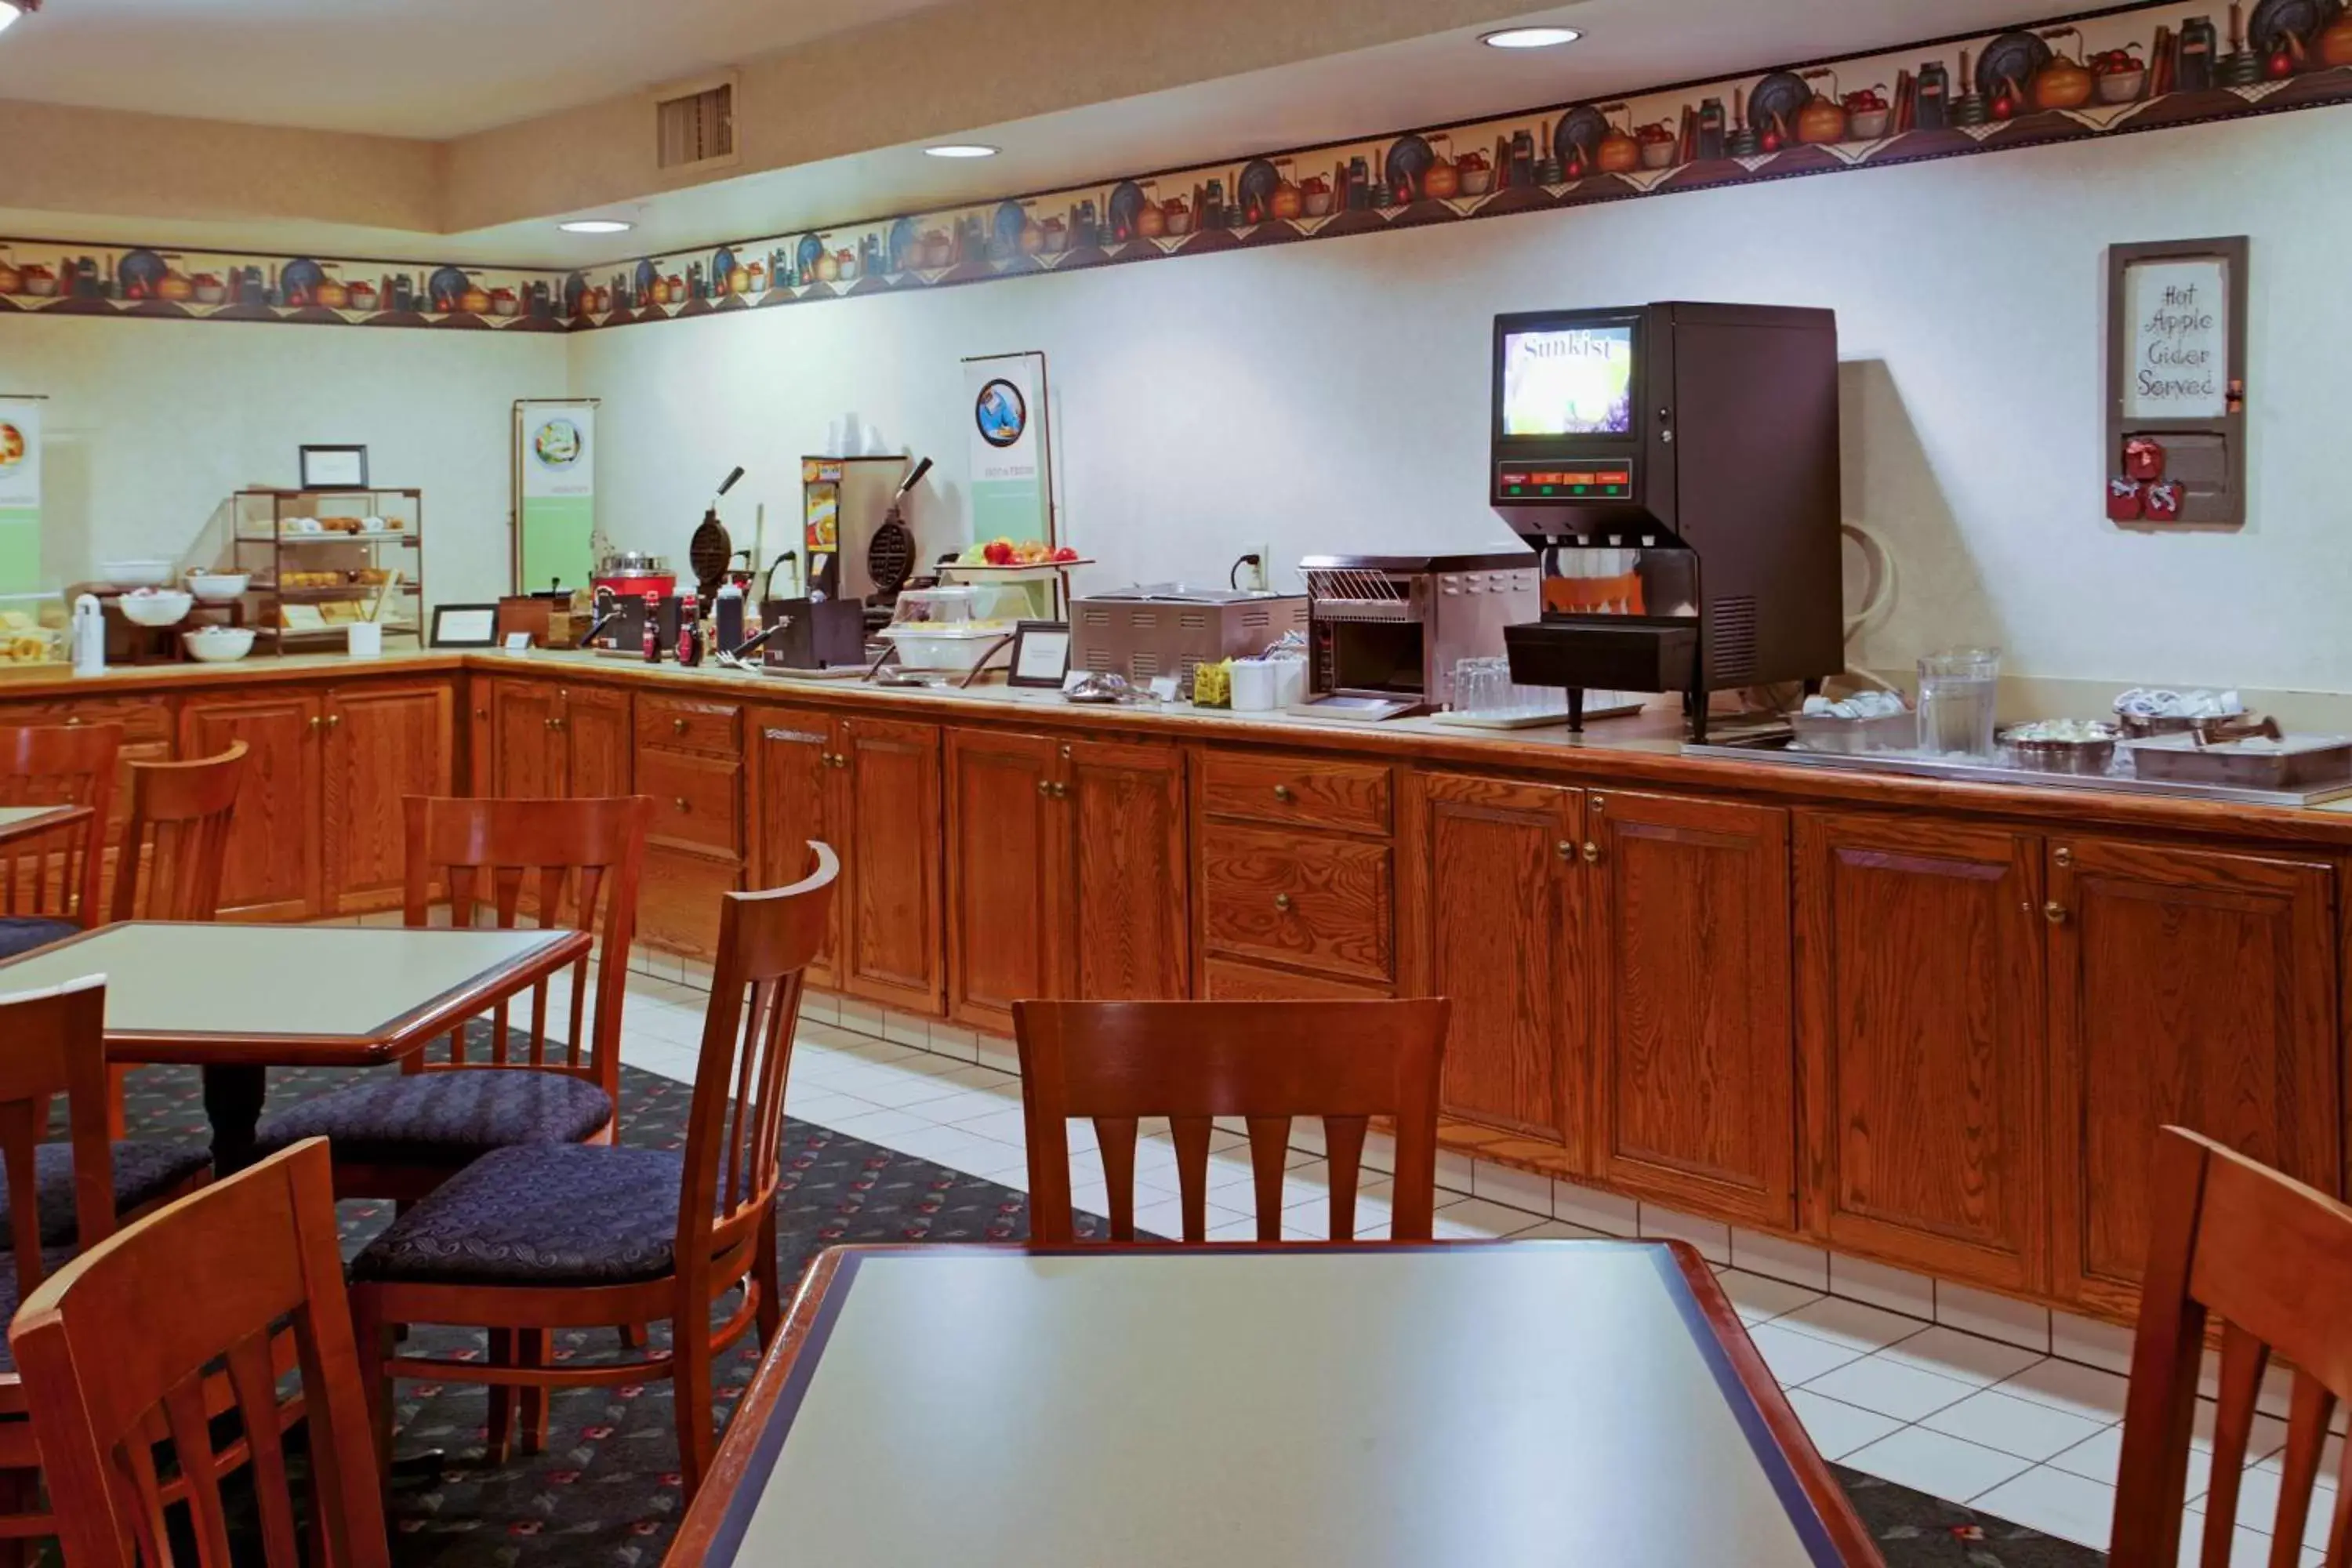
555,504
20,495
1011,448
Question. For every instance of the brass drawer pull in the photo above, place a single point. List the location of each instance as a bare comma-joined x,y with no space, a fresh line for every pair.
682,804
1282,900
1282,792
1592,853
1566,848
2054,912
678,726
1045,788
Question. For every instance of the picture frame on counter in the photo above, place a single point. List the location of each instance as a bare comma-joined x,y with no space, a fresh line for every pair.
1041,655
334,468
465,626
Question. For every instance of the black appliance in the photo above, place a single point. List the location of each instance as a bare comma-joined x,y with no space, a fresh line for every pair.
627,633
1677,467
813,634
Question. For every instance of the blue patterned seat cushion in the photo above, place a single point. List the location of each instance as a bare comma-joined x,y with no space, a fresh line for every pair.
22,933
448,1118
539,1213
142,1173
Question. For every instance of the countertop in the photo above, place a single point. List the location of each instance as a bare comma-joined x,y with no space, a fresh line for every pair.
1630,751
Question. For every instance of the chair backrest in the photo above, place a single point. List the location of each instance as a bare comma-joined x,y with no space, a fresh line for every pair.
734,1130
575,863
1262,1062
57,873
55,1045
115,1350
175,838
2273,1259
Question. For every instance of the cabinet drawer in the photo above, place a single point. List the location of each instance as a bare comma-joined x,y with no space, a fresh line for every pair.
687,726
1349,796
678,902
1223,980
1325,904
695,799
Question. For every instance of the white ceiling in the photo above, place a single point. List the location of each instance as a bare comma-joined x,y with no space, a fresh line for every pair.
433,68
1446,76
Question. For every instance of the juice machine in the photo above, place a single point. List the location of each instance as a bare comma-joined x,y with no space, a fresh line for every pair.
1677,467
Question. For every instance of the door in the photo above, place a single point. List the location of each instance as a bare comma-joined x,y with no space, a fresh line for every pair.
1506,883
889,805
271,869
384,743
595,729
1693,1057
793,764
1004,828
1919,985
1126,926
2190,987
526,745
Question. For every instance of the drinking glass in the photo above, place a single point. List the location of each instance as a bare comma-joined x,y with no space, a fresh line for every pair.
1957,691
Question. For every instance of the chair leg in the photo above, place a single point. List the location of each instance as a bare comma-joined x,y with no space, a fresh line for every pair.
633,1336
117,1122
374,1341
690,1365
499,1428
531,1350
763,1276
19,1494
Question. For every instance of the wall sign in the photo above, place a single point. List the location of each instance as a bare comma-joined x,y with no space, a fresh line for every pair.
555,494
2177,383
1012,447
20,495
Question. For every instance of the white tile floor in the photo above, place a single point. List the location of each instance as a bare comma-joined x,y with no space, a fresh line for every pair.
1971,1416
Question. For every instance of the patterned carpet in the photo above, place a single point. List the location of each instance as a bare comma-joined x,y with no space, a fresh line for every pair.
606,1490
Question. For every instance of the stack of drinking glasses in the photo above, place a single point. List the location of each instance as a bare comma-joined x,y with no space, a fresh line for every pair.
1483,688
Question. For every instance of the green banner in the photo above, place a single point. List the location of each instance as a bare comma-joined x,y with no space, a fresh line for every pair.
555,511
556,548
20,495
20,550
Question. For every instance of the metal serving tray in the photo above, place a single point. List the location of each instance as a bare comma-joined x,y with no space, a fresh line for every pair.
1984,770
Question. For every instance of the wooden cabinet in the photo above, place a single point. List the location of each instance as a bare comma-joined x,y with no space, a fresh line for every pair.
688,761
147,730
1505,925
2189,987
382,744
1920,965
891,947
271,869
557,742
593,725
1693,1056
1066,873
792,764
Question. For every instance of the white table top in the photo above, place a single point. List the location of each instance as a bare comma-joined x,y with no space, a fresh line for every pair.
1530,1404
259,982
10,816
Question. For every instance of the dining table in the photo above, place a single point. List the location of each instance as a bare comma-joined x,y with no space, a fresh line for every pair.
236,1000
1391,1405
18,823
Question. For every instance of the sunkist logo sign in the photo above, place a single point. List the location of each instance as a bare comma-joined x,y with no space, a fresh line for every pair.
2148,68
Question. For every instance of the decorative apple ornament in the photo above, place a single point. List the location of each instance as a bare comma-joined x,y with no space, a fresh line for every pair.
1443,182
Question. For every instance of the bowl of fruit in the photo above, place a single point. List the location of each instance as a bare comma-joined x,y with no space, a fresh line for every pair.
2119,75
1028,553
1657,142
1866,114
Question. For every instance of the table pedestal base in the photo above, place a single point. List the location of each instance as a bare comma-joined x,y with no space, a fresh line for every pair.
233,1100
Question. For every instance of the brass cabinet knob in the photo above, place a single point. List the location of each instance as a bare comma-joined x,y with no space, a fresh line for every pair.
2054,912
678,726
2064,857
1061,790
1045,787
1282,792
1566,848
315,722
482,713
1282,900
334,721
1592,853
683,804
74,723
1596,803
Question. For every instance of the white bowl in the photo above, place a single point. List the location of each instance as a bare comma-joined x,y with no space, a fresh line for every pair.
164,607
218,645
218,587
136,573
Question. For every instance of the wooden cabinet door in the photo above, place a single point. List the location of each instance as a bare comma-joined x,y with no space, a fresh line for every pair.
888,805
1004,833
596,740
2189,987
1126,924
1503,942
384,743
1919,985
1694,1061
271,869
527,748
792,772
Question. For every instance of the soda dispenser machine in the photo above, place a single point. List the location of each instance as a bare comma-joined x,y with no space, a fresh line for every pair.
1675,466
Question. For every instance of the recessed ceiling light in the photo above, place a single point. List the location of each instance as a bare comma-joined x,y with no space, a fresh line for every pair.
961,150
1530,38
595,226
12,9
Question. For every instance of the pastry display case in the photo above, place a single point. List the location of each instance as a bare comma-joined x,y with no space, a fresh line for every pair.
320,560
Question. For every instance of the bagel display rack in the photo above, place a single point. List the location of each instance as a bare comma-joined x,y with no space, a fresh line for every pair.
319,559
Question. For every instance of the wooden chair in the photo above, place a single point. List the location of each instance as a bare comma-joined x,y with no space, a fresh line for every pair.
2273,1258
49,883
175,838
1265,1062
399,1135
571,1236
116,1349
57,1044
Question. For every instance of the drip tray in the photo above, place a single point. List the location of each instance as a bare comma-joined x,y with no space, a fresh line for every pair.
1988,769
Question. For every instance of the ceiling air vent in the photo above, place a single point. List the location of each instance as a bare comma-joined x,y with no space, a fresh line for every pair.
694,124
